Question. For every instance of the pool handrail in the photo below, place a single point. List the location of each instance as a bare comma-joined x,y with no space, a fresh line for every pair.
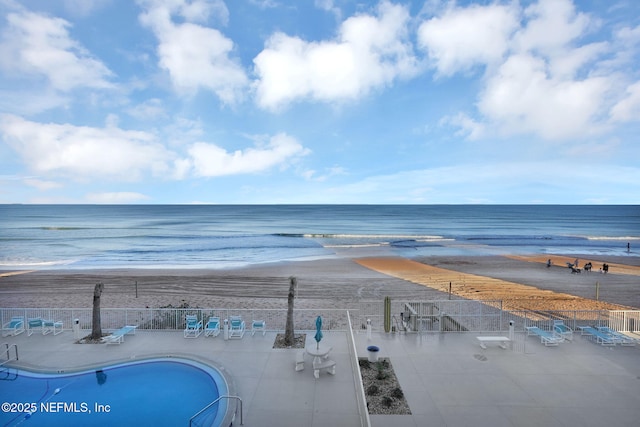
213,403
6,351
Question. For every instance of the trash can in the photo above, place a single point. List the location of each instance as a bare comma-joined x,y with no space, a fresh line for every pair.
76,329
373,353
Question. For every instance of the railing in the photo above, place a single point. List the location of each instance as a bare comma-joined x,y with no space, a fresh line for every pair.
213,403
8,353
361,399
155,319
418,316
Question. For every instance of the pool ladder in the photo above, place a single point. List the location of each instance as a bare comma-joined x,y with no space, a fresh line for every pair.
7,353
213,403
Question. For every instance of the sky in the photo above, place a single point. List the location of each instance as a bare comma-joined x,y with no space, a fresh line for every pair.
325,101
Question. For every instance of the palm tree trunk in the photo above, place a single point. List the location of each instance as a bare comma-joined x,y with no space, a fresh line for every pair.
289,330
96,327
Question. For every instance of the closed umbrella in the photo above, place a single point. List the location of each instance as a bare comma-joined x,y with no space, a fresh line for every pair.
318,335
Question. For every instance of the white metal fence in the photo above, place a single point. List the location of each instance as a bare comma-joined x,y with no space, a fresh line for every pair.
407,317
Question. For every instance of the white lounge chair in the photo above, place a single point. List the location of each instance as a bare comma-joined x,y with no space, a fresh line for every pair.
117,337
258,325
563,330
13,327
546,338
618,337
236,327
597,335
193,329
44,326
54,326
34,325
212,328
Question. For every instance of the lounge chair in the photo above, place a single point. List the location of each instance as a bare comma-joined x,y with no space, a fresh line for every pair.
212,327
258,325
44,326
546,338
236,327
54,326
34,325
595,334
563,330
14,327
193,329
618,337
117,337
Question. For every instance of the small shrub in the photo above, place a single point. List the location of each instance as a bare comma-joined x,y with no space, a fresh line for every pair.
372,390
364,364
382,375
387,401
397,393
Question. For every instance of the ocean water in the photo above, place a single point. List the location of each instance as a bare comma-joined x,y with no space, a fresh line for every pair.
227,236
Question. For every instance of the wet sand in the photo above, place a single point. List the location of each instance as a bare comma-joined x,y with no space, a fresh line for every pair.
521,282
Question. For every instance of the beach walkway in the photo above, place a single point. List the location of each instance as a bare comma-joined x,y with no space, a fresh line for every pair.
447,378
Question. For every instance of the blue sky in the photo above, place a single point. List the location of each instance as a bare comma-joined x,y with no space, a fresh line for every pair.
325,101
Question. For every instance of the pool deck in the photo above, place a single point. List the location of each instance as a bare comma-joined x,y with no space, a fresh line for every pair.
448,379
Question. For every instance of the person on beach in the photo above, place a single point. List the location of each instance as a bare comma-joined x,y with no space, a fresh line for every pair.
549,263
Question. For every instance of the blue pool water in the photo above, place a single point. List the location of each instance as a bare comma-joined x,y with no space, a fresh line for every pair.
145,393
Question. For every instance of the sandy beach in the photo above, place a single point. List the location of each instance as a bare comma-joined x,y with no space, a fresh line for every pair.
521,282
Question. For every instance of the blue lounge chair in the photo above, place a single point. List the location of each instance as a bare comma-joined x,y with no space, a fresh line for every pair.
236,327
546,338
117,337
597,336
258,325
193,329
34,325
618,337
563,330
14,327
54,326
212,327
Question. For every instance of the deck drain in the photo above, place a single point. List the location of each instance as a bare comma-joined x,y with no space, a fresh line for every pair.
480,357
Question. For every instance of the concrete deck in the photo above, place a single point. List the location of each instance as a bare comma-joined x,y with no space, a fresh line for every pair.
447,379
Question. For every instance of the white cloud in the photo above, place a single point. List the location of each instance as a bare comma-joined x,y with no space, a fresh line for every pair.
522,98
150,109
210,160
83,152
463,38
629,107
329,6
38,45
551,27
512,182
42,185
115,197
196,57
540,78
470,128
189,10
369,52
84,7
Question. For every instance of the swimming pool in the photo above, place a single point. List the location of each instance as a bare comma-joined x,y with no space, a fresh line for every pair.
152,392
